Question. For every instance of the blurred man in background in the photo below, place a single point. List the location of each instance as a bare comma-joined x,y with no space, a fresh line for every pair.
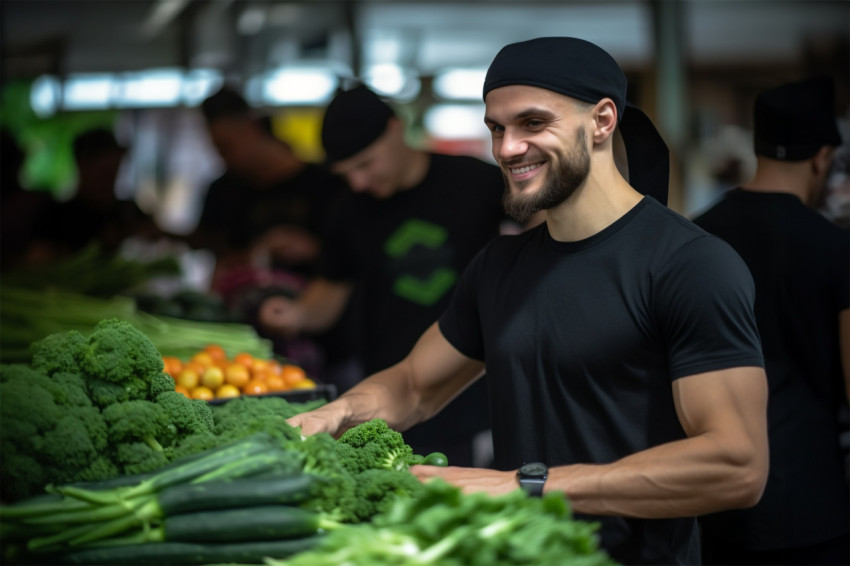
800,262
412,222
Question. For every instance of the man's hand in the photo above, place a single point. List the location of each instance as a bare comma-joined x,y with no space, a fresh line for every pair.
470,480
280,314
324,419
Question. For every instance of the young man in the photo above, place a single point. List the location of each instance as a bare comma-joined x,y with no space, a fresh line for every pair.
619,339
800,262
411,222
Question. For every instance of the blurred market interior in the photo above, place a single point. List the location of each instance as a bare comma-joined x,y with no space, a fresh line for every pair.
143,66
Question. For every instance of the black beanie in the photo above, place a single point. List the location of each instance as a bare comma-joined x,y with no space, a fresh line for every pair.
581,70
353,120
794,120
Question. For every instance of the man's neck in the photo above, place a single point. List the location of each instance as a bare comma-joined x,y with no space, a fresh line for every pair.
599,202
781,177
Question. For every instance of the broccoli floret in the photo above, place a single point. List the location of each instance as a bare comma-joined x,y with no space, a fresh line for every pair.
59,352
335,494
373,444
47,432
136,432
118,352
377,490
245,416
161,383
190,416
105,393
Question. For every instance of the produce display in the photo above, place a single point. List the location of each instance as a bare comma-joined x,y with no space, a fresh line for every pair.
104,462
211,374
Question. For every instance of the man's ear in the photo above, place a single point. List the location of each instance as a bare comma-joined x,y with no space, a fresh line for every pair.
822,160
605,115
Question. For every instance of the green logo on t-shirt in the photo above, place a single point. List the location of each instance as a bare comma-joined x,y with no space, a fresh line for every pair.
434,278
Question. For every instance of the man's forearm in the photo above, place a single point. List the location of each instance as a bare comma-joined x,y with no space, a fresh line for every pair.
321,304
684,478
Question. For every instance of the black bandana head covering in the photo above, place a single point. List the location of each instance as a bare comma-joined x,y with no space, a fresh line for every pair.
794,120
581,70
353,120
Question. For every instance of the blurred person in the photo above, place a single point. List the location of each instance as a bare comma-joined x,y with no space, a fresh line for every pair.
269,207
410,224
94,213
263,219
800,262
616,375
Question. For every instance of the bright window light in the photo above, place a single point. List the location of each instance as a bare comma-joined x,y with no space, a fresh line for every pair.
88,92
304,85
456,121
198,84
387,79
460,84
151,88
45,96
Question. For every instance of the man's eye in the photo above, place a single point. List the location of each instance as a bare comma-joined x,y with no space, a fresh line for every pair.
534,123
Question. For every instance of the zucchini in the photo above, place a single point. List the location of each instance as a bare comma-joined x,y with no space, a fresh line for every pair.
279,490
186,553
264,522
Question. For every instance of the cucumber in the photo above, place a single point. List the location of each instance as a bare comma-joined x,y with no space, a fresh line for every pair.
264,522
284,490
185,553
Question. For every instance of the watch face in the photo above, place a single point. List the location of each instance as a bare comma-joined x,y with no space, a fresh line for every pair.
534,469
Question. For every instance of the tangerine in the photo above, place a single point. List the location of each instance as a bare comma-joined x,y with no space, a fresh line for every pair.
237,374
276,383
202,392
188,378
213,377
292,374
255,387
227,391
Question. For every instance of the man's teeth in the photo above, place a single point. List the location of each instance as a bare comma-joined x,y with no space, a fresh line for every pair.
526,169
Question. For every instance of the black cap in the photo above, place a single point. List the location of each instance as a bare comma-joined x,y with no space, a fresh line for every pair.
584,71
225,102
794,120
353,120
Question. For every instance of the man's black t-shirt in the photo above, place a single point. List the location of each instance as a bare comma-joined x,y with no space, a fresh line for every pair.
582,341
800,263
404,255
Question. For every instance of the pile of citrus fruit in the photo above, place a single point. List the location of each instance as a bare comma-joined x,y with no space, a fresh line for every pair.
210,374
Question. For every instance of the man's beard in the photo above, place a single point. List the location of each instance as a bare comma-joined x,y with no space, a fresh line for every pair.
565,176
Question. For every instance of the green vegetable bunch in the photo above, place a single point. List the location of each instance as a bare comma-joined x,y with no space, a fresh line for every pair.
443,526
238,502
89,408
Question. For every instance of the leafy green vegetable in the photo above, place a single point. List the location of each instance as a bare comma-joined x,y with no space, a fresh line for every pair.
443,526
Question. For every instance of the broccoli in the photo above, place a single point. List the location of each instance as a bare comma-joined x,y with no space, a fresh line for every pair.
373,444
335,494
48,432
244,416
161,383
378,489
59,352
118,352
137,430
193,423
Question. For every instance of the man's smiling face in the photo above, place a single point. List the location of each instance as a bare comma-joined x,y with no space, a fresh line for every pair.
540,144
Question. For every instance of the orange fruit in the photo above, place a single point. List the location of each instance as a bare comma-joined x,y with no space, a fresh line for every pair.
276,383
195,366
244,358
292,374
188,378
260,366
172,365
227,391
202,392
182,390
305,383
255,387
215,351
237,374
213,377
203,358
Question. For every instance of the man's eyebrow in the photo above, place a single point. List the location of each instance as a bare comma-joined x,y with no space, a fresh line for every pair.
535,111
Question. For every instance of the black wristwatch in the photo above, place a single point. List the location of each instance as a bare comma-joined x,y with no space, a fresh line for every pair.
532,477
